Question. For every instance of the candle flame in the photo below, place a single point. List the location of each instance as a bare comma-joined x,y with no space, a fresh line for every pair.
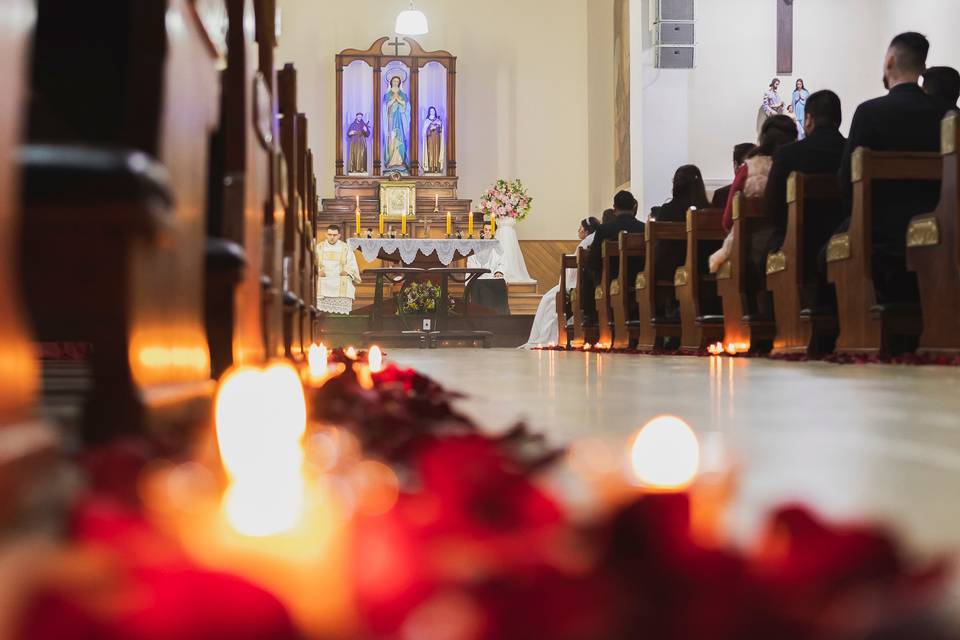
587,346
317,359
351,353
375,358
665,454
261,417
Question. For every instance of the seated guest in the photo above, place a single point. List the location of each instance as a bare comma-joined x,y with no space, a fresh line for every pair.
943,84
752,177
906,119
688,191
625,219
719,200
820,152
545,328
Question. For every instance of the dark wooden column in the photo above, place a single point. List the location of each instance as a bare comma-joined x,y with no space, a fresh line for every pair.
784,36
414,117
451,128
377,71
339,128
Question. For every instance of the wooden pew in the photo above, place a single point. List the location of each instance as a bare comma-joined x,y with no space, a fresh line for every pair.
113,240
931,244
293,220
740,327
865,328
564,313
653,289
701,315
583,333
626,328
609,251
814,209
275,205
240,184
28,446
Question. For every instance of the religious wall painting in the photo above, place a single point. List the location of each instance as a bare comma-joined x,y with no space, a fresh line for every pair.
621,49
396,115
357,114
433,111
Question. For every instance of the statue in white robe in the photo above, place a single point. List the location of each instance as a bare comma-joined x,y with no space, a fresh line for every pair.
339,274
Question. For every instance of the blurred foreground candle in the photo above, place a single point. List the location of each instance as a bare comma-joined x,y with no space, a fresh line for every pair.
375,359
665,455
278,523
351,353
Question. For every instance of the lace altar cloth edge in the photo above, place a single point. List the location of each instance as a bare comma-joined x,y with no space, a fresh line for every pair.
408,248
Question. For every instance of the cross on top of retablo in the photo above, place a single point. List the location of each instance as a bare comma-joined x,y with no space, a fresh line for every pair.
396,44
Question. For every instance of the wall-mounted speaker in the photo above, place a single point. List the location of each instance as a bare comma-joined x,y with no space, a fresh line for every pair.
675,33
675,57
682,10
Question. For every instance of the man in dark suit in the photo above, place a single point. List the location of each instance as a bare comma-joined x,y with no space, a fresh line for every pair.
721,195
819,153
625,219
906,119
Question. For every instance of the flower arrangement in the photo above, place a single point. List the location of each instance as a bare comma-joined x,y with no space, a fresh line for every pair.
420,298
506,199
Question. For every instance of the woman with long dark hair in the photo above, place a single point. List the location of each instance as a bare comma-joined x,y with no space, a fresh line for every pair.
688,191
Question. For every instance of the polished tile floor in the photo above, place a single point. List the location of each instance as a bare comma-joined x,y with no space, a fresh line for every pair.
855,441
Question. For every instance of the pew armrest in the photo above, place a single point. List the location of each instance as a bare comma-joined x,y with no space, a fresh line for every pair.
83,176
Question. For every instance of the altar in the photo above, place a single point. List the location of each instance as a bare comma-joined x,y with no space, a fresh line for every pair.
396,129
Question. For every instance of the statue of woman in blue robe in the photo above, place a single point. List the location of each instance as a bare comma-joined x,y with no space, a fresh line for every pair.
397,106
800,95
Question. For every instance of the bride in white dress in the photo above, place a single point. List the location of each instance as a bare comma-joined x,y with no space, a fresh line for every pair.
545,330
514,267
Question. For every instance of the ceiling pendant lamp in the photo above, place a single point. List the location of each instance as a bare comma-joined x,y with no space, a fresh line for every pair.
411,22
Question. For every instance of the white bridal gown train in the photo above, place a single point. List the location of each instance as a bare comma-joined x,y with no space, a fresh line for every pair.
545,330
514,267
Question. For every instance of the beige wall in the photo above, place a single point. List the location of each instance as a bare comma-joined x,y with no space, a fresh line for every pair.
524,94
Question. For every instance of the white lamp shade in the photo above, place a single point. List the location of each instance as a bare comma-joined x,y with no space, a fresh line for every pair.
412,23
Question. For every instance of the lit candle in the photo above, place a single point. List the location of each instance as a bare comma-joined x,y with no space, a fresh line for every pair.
381,225
449,225
470,225
351,353
665,455
375,359
317,359
493,226
357,215
403,224
358,202
436,202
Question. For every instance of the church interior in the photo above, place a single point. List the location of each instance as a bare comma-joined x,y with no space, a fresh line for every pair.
433,320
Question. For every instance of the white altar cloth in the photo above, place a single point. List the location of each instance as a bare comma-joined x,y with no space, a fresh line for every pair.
447,250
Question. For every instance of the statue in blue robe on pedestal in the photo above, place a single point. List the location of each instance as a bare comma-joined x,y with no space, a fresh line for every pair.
397,106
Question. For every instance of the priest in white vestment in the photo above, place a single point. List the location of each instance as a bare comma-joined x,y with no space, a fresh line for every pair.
339,274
